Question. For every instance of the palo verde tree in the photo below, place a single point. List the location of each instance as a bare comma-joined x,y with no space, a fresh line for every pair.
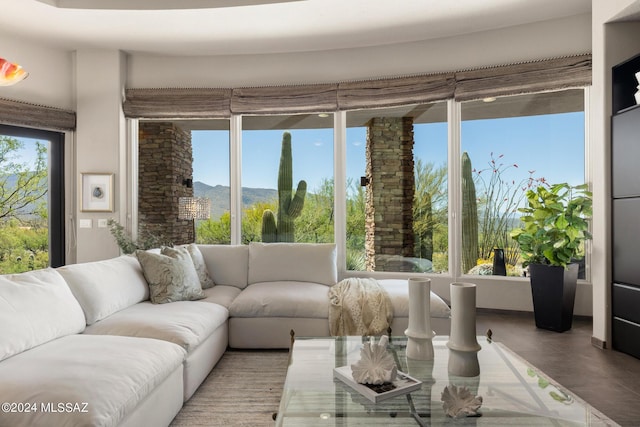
23,187
315,223
429,207
24,237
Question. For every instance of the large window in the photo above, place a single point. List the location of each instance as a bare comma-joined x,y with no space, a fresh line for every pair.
397,189
406,200
508,146
211,180
287,178
31,199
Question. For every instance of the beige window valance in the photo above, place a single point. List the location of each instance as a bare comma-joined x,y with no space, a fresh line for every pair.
177,103
526,77
19,113
283,99
397,91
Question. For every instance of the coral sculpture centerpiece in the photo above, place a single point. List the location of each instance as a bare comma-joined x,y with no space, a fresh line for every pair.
376,365
459,402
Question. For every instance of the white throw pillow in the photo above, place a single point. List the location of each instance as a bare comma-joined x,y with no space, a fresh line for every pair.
35,308
201,268
171,275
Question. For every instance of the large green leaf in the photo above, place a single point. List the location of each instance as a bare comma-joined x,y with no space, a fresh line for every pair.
555,223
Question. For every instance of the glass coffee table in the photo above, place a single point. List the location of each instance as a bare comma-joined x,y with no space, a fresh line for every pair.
513,392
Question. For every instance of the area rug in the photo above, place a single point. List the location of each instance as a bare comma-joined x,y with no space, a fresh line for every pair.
243,389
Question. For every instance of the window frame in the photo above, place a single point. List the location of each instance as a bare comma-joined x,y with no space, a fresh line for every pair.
339,164
56,191
586,175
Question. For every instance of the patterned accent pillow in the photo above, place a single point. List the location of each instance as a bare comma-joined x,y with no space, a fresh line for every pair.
198,261
171,275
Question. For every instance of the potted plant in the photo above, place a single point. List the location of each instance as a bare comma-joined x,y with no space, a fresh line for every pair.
555,227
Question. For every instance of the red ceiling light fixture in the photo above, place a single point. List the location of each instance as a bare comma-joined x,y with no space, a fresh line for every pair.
11,73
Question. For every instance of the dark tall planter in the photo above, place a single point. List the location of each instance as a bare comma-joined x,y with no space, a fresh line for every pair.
499,265
554,292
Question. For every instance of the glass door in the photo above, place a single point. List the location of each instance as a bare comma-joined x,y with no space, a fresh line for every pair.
31,199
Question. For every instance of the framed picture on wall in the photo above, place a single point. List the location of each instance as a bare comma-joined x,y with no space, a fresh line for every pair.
97,192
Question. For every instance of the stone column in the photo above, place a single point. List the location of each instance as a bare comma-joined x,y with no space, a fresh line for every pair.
165,159
389,196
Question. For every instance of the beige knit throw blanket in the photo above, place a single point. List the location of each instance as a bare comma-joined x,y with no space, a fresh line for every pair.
359,306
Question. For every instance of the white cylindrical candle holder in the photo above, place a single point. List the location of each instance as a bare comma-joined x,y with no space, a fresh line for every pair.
463,344
419,333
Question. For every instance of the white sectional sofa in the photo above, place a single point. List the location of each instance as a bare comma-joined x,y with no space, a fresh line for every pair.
82,345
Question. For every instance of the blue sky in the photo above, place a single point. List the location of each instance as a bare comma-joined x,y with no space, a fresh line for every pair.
27,154
538,143
312,152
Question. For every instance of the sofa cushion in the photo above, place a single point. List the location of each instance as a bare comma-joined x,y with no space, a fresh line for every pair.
300,262
112,375
171,275
35,307
398,290
227,264
221,294
201,268
105,287
282,299
186,323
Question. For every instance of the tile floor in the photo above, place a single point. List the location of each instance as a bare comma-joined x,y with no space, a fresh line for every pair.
609,380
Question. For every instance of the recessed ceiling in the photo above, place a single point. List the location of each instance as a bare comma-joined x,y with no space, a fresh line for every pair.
218,27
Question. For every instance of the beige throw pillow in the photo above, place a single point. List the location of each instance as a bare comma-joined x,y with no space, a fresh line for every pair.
201,268
171,275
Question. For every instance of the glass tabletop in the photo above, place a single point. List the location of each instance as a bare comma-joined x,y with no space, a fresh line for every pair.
513,392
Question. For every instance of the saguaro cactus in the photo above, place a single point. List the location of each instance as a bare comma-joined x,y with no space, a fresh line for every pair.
289,205
469,217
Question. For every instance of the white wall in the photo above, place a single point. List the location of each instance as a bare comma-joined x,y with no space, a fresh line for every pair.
100,141
523,43
51,74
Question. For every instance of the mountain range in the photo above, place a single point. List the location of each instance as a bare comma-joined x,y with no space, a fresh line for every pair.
220,196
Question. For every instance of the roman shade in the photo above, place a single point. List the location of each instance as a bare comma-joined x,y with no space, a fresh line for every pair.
397,91
525,77
177,103
20,113
284,99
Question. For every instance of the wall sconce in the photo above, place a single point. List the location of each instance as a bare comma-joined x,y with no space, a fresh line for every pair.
11,73
364,181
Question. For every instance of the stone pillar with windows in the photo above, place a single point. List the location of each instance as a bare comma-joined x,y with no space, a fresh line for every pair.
389,195
165,160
